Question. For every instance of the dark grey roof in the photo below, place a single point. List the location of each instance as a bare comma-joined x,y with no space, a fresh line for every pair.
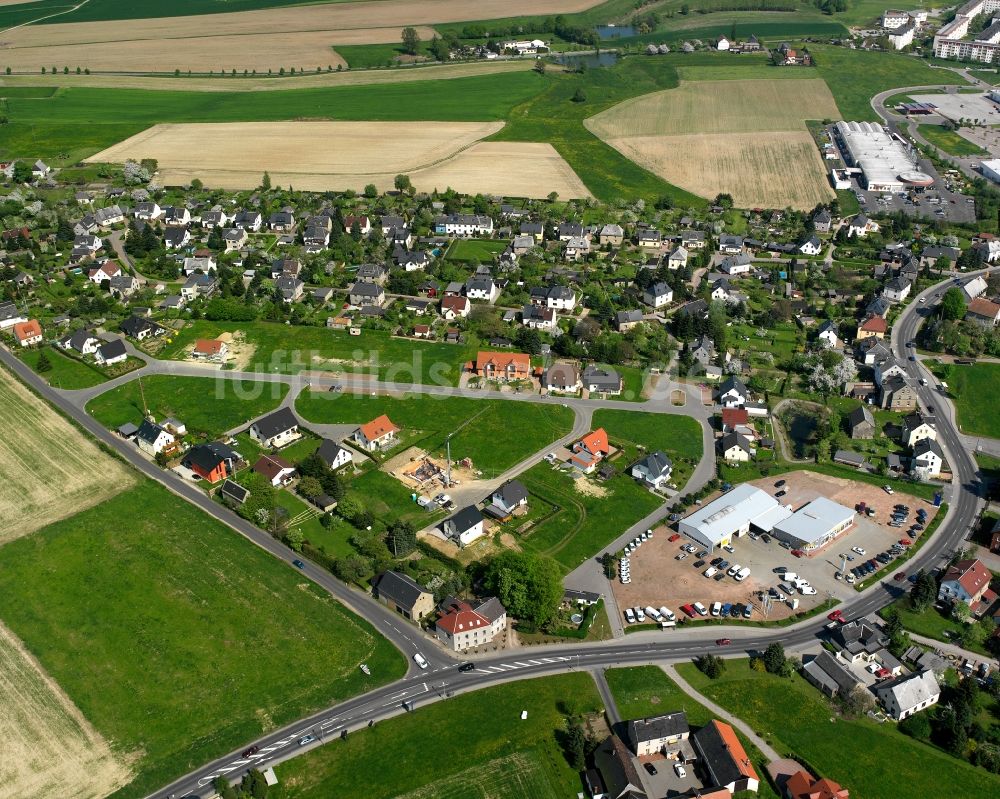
234,491
602,378
397,587
825,668
926,445
511,493
278,422
203,457
657,463
149,431
328,451
716,755
491,609
572,595
112,349
628,317
732,382
364,289
849,457
128,430
860,415
651,729
730,440
467,518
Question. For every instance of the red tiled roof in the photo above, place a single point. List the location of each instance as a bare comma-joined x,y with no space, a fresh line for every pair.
736,750
596,441
454,303
208,346
802,786
983,307
734,416
26,330
461,618
501,361
972,575
874,324
271,466
377,428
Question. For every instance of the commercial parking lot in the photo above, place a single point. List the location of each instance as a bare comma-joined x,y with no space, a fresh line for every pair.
658,578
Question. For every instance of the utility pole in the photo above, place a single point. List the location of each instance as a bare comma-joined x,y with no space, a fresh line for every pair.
447,444
142,394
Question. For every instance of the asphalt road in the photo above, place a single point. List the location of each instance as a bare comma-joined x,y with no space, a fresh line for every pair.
443,679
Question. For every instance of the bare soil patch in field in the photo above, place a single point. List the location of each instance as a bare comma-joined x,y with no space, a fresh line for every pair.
47,747
746,138
759,170
322,156
48,469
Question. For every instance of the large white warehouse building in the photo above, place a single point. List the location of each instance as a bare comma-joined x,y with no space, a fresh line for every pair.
732,515
814,525
886,163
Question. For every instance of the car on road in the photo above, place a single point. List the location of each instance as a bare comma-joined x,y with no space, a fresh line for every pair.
899,577
420,660
650,768
467,667
723,641
837,615
298,564
250,752
306,739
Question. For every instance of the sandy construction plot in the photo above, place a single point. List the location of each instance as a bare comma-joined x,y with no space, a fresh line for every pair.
746,138
47,748
48,469
760,170
719,106
321,156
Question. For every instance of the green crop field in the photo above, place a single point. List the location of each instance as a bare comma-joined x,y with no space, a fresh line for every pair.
967,385
874,760
208,407
855,76
280,348
501,755
585,521
949,141
495,434
108,10
66,372
77,122
194,640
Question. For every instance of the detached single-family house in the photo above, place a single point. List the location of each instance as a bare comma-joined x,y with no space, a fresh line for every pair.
333,455
577,247
455,307
724,759
598,380
482,287
861,423
965,582
106,217
861,226
81,341
677,258
176,237
827,335
249,220
465,526
538,318
649,239
907,695
291,288
210,349
626,320
276,429
408,598
106,271
212,462
29,333
235,239
362,223
198,285
654,470
147,211
889,368
974,288
822,221
364,294
463,625
730,244
897,289
740,264
563,378
204,264
560,298
658,294
277,470
984,312
735,448
733,393
928,459
590,450
508,499
874,326
282,221
10,315
140,329
656,734
611,235
111,353
916,426
811,246
897,394
152,438
379,433
829,674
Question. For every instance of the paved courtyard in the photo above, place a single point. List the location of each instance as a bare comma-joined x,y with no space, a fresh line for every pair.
977,107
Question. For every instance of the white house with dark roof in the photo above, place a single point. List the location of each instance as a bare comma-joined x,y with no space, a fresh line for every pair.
658,294
276,429
907,695
152,438
507,499
654,470
111,353
333,455
465,526
928,459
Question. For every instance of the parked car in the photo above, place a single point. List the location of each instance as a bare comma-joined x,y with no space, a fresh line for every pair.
680,771
630,615
700,609
859,550
640,615
674,537
888,489
716,608
650,768
667,613
747,611
729,549
653,613
698,564
680,556
688,610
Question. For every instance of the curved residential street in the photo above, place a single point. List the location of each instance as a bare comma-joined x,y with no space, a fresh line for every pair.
442,679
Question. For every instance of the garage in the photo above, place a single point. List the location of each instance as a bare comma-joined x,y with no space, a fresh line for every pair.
815,524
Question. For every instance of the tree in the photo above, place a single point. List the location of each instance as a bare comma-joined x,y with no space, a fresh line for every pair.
295,538
265,182
917,726
402,183
710,665
953,304
411,40
575,746
579,96
856,702
353,568
528,585
774,658
370,191
924,591
539,67
402,539
310,487
44,364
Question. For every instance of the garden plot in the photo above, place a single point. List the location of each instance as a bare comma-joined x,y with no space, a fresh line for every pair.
746,138
48,469
47,747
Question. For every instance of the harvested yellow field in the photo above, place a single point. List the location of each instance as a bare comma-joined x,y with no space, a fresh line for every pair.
510,169
47,747
298,37
746,138
333,156
720,106
760,170
48,469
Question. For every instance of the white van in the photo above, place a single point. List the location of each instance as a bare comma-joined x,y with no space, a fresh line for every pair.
700,609
420,660
711,571
716,608
653,613
742,574
667,613
789,576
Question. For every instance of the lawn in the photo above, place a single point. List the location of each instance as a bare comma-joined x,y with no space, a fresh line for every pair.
643,691
639,432
66,372
584,522
873,760
194,640
501,755
967,386
931,623
208,407
280,348
855,76
495,434
79,121
482,250
949,141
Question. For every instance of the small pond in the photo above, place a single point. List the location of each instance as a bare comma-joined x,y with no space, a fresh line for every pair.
587,59
605,32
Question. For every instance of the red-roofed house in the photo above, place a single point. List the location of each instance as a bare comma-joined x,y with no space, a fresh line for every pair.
590,450
874,325
363,222
733,418
379,433
802,785
983,607
463,626
984,311
421,331
277,470
502,365
210,349
966,582
105,271
28,333
724,757
455,307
